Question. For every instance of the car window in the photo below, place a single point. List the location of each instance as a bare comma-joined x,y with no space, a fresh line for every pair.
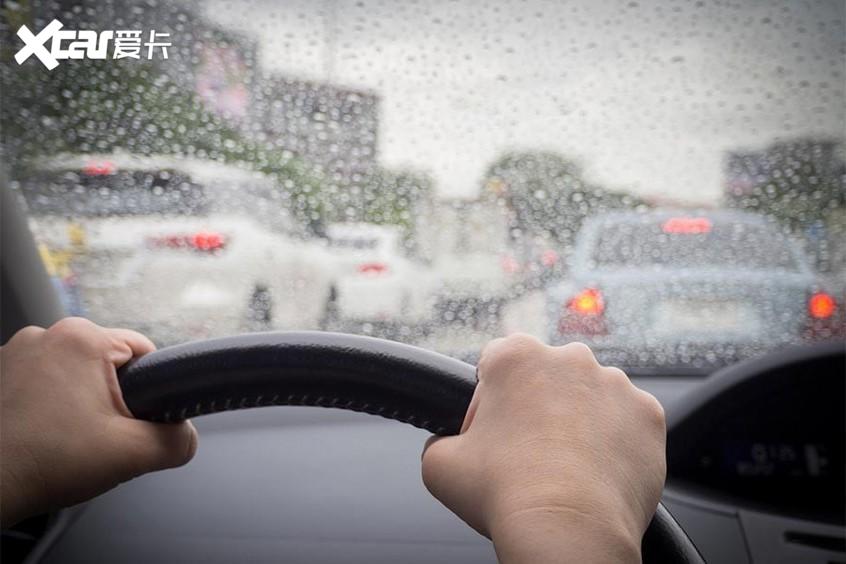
86,194
692,243
354,243
439,173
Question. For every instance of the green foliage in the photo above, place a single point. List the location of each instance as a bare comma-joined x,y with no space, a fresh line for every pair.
797,181
394,197
546,194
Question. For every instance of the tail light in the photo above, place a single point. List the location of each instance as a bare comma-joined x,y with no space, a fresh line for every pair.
821,305
587,302
687,225
373,268
583,314
98,168
206,241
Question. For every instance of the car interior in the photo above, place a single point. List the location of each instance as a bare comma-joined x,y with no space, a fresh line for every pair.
501,128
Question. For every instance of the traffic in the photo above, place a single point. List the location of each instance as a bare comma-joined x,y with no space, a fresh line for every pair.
188,249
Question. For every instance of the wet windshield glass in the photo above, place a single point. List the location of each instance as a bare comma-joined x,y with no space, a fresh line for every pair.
439,173
698,245
76,193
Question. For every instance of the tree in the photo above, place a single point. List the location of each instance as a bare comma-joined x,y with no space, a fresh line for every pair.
103,106
546,194
797,181
801,183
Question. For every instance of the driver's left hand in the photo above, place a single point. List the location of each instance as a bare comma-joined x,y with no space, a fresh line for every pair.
66,433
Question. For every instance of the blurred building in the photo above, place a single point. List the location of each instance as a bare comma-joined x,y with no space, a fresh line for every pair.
216,64
332,127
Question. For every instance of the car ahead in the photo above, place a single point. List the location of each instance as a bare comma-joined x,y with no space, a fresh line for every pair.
377,287
154,251
472,289
475,277
676,288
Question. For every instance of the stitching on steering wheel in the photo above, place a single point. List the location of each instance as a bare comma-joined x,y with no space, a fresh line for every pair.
200,408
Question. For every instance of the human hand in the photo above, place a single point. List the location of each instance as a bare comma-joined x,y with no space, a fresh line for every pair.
67,434
559,459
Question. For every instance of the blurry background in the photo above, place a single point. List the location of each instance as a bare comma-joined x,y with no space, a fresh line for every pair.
422,170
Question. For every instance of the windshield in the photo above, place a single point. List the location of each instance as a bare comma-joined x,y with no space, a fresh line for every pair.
439,173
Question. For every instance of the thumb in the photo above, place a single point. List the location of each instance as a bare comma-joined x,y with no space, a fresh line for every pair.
440,458
156,446
445,476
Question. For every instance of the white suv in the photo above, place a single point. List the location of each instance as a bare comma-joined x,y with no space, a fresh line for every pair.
378,288
178,248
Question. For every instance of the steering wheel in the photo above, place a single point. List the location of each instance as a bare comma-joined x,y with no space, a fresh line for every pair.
397,381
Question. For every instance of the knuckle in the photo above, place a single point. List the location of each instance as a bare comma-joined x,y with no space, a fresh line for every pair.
522,341
29,332
653,409
75,331
506,352
490,349
579,354
616,375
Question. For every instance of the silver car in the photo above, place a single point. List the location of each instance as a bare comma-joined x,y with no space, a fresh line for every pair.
679,288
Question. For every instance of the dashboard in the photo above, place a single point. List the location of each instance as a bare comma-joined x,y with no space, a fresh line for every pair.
755,459
757,455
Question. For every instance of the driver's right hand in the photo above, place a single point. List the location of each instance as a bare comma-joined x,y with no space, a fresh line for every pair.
559,459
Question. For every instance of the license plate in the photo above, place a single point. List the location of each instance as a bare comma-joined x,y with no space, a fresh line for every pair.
692,316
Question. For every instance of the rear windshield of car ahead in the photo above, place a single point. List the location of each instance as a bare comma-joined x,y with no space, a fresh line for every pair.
728,245
122,193
354,243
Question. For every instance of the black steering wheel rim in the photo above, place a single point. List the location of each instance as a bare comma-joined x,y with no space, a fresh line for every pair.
386,378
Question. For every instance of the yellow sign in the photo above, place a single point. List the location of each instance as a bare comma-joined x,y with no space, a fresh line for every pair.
76,236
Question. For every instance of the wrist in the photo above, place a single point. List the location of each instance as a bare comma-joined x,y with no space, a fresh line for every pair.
563,534
10,499
19,495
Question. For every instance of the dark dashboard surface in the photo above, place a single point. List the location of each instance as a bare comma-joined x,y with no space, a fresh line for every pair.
768,434
292,484
305,484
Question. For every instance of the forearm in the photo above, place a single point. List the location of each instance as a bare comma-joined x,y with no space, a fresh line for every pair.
562,536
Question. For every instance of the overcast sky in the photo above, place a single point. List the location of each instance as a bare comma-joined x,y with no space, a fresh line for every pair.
647,95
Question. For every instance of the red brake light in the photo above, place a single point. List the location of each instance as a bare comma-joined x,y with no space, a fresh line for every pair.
821,305
687,225
208,241
205,241
587,302
98,168
373,268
